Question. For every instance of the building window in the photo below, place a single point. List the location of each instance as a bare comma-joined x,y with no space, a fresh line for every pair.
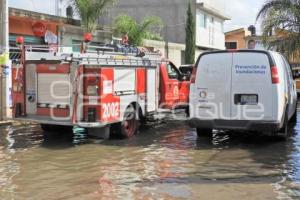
212,20
202,19
231,45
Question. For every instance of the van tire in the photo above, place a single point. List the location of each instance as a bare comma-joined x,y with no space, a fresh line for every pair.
129,126
294,117
283,132
204,132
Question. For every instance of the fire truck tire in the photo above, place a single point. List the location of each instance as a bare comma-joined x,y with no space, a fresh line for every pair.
201,132
129,126
55,128
46,127
131,123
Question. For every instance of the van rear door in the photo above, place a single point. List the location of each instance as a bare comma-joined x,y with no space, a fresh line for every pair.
212,92
251,86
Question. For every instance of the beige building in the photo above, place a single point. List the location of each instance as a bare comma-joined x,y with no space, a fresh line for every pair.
236,39
239,38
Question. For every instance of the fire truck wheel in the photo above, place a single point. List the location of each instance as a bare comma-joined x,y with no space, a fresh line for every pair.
46,127
130,124
56,128
202,132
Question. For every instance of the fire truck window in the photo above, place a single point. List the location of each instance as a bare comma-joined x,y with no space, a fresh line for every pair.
173,72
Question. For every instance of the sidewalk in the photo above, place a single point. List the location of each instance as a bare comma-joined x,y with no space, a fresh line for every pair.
6,123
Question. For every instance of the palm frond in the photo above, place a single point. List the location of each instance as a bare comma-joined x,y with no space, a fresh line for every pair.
90,11
282,16
149,28
273,5
150,22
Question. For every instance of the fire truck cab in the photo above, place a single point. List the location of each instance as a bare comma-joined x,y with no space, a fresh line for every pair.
102,91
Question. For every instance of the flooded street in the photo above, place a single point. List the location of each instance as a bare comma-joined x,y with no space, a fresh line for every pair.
165,161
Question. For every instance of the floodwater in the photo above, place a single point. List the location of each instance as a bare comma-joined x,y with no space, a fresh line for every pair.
165,161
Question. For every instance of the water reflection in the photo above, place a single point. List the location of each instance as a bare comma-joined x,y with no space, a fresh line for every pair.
165,161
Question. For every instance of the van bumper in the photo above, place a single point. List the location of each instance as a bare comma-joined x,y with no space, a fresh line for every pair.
248,125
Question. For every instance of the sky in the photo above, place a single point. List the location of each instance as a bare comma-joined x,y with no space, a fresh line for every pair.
242,12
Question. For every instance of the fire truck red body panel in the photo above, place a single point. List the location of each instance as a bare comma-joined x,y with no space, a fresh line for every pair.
174,91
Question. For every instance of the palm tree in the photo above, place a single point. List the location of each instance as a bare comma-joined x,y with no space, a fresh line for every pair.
90,11
124,24
282,16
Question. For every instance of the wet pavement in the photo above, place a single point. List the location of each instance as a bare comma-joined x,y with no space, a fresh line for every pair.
165,161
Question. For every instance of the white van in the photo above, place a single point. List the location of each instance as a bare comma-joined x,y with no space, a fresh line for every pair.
249,90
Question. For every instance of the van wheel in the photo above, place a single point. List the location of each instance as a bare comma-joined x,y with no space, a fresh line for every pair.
130,125
204,132
283,132
294,117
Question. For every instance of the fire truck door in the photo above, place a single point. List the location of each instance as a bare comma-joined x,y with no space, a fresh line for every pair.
169,86
31,99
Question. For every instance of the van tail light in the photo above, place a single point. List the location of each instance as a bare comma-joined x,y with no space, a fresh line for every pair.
193,76
275,75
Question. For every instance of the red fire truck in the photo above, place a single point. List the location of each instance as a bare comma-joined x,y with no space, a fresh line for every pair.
102,91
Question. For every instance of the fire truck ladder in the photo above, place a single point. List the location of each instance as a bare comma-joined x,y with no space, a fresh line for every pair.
100,57
111,58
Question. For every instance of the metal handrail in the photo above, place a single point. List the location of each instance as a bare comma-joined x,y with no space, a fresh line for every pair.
14,53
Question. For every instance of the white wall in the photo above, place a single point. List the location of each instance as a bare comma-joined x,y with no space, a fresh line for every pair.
215,4
212,36
175,50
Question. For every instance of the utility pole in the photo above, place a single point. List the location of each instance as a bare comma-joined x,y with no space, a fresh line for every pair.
4,49
58,7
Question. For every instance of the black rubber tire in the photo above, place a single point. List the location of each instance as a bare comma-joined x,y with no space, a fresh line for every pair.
294,117
46,127
284,131
203,132
56,128
129,127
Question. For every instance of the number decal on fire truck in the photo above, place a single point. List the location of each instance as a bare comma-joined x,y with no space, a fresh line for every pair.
111,111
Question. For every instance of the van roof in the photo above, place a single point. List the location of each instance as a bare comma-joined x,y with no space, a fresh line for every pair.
268,53
239,50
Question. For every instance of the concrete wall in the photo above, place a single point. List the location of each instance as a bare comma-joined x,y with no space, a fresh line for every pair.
174,50
68,33
172,13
